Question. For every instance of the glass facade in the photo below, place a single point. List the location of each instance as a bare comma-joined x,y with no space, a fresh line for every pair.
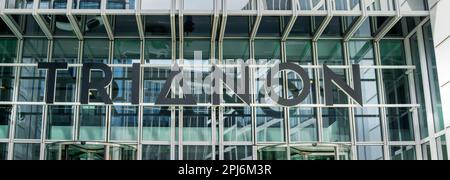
398,82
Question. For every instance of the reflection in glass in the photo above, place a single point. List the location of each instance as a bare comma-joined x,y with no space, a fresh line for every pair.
238,26
403,153
154,80
8,47
267,51
66,81
441,145
392,52
303,122
235,50
65,50
127,51
269,27
34,50
26,151
158,51
198,26
272,153
295,86
5,121
155,152
336,124
156,124
121,4
330,52
32,84
3,151
237,124
93,26
197,124
7,77
370,153
125,25
299,51
157,25
419,87
368,124
269,125
92,123
60,120
433,79
400,124
122,84
28,122
124,122
197,152
237,153
396,85
197,51
96,51
89,4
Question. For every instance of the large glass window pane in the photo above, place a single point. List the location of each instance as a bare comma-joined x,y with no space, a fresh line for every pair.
368,124
158,51
302,26
400,124
392,52
269,27
330,52
333,29
267,51
396,86
198,26
124,123
433,79
122,84
60,121
19,4
236,50
272,153
26,151
441,145
197,152
419,87
336,124
426,151
237,152
28,122
299,51
97,75
370,153
92,123
194,76
93,26
269,124
237,124
32,84
89,4
154,80
155,152
7,77
303,122
238,26
125,25
197,124
3,151
197,51
156,124
8,49
403,153
127,51
96,51
157,25
34,50
65,50
5,121
120,4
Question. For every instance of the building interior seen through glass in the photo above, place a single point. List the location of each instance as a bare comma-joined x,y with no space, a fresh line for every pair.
400,116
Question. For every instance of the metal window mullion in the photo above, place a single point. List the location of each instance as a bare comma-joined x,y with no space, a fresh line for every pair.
358,23
389,24
15,99
180,133
257,21
318,99
140,135
214,31
412,85
181,32
221,131
172,132
214,132
43,131
40,21
224,21
324,23
73,21
106,22
352,117
139,21
10,22
384,121
427,93
292,21
287,130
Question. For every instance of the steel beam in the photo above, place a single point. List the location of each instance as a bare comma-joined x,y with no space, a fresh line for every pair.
292,21
325,22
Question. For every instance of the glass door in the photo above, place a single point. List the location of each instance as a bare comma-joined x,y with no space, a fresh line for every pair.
90,151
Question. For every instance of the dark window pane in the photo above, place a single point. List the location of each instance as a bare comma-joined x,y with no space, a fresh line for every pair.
155,152
330,52
5,121
158,51
124,122
7,77
400,124
336,124
392,52
396,85
28,122
60,120
66,84
125,26
32,84
238,26
302,26
65,50
34,50
127,51
237,153
197,26
157,26
267,50
403,153
3,151
269,27
299,51
26,151
8,51
96,51
92,123
234,50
